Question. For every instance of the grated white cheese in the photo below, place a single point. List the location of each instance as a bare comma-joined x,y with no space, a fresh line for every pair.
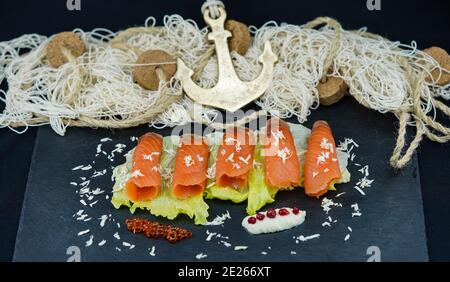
356,210
327,204
102,242
149,157
359,190
98,173
225,243
93,203
324,144
245,160
278,135
103,219
210,235
90,241
136,173
347,145
322,158
88,167
118,149
105,139
240,248
263,253
230,158
364,170
293,253
73,183
81,233
201,256
188,161
151,251
364,182
128,245
99,148
116,235
78,167
284,154
220,219
97,191
347,237
306,238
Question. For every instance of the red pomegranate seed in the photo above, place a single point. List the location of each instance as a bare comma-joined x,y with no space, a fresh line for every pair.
283,212
271,213
295,210
251,220
260,216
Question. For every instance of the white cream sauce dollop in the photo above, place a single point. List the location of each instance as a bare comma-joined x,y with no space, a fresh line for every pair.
271,225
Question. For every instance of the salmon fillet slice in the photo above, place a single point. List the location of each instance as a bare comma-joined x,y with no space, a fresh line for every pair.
145,181
235,158
281,163
321,162
190,169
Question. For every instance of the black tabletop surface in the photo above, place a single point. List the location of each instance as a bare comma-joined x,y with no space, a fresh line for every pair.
426,22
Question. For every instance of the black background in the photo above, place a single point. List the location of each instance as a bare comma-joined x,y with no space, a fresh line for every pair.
426,21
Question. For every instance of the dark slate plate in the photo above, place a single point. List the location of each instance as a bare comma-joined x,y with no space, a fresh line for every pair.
391,220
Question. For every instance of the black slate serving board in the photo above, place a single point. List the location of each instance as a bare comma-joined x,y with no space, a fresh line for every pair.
391,220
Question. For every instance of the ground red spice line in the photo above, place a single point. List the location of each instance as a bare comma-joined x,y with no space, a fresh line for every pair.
157,230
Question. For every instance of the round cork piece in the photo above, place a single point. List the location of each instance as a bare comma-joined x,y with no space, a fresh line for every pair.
441,56
331,91
64,40
241,38
146,76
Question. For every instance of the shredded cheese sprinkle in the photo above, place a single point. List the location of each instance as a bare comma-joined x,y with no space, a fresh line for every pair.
188,161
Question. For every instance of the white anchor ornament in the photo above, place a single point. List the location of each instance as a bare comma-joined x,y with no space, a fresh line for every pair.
230,93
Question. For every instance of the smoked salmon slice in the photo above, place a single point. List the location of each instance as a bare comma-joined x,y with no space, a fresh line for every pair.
145,179
235,158
321,162
281,163
190,169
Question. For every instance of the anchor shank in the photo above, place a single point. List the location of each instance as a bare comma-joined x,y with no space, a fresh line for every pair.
226,68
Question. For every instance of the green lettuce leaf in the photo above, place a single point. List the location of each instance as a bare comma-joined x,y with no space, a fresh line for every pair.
164,204
260,193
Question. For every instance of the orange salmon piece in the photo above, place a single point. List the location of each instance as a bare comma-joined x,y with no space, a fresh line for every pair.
282,166
235,158
321,162
145,181
190,169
